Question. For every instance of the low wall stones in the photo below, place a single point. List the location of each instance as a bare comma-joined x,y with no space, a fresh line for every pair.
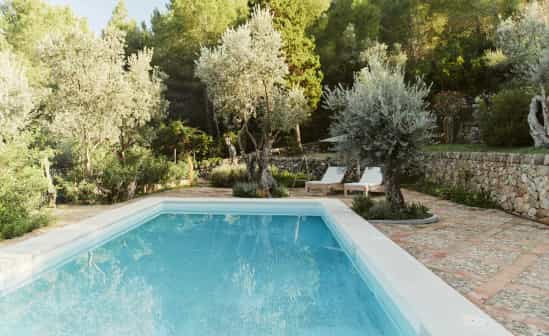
313,166
519,182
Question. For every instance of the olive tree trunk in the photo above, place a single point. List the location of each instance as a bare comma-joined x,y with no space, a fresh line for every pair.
538,119
266,179
393,194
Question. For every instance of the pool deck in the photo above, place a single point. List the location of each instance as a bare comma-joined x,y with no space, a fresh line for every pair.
498,261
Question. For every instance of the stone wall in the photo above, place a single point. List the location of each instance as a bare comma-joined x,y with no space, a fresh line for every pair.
519,182
313,166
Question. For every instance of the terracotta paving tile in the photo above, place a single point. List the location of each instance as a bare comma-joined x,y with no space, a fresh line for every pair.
439,239
506,276
482,260
520,328
537,275
518,299
523,236
461,283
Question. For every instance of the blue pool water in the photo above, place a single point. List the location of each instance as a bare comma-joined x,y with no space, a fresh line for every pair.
183,274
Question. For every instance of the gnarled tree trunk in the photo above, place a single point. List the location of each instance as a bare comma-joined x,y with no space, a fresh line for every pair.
538,119
52,192
393,194
266,179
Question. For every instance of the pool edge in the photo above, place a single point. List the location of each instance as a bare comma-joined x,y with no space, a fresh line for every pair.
411,285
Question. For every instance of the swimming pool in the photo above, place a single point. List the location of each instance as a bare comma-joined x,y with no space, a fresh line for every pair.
223,267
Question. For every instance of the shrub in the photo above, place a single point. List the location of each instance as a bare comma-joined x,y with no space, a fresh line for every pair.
280,191
177,171
82,192
22,187
253,190
182,139
460,194
141,170
289,179
246,189
451,110
117,180
504,120
382,210
225,176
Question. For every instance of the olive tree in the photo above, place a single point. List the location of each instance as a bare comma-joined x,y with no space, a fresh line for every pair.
383,120
245,76
524,42
99,97
16,96
143,99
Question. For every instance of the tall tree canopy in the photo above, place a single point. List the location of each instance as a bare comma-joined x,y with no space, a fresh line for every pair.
137,37
293,19
98,97
342,33
246,77
16,96
524,41
25,23
177,35
383,120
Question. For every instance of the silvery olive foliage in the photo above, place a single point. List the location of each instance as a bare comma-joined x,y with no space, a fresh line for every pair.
523,43
98,97
384,120
246,80
16,96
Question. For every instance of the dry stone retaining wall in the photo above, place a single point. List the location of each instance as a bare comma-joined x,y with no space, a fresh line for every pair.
519,182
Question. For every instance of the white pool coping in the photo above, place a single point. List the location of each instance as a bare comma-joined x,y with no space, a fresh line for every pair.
431,306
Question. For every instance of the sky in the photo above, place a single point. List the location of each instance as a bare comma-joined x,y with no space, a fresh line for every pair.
98,12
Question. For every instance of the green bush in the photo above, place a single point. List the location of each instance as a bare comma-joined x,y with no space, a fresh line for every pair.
381,210
253,190
288,179
122,180
81,192
225,176
458,193
180,138
504,120
116,180
451,110
177,171
280,191
22,188
246,189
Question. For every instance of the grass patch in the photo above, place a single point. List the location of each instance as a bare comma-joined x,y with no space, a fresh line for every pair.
457,193
381,210
484,148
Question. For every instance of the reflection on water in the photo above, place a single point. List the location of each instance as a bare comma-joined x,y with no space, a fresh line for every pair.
203,275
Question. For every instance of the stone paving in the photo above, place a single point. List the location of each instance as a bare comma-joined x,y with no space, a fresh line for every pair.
498,261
